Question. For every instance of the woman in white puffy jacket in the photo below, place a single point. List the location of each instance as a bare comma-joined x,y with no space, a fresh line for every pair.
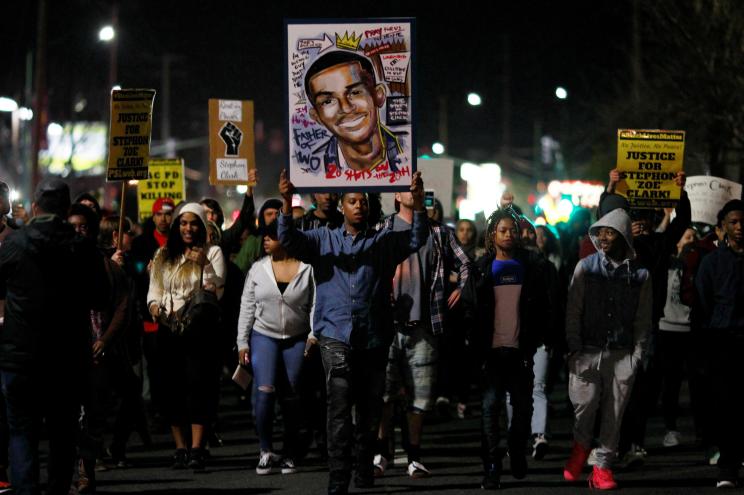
188,359
274,323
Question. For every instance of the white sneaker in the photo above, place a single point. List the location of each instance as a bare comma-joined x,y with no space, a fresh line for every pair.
539,447
265,462
380,464
725,484
417,470
288,466
672,438
592,459
712,457
635,457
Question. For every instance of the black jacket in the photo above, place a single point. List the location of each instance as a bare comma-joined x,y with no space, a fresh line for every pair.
720,286
144,247
50,280
536,303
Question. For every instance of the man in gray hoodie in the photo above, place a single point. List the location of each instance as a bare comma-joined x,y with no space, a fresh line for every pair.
608,320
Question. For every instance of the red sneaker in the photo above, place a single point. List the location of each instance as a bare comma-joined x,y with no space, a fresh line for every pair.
602,479
572,469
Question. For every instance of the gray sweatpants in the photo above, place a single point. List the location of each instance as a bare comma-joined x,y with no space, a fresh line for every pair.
601,381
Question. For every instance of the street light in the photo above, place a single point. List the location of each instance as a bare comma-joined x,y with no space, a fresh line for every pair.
106,34
8,104
561,93
437,148
474,99
25,113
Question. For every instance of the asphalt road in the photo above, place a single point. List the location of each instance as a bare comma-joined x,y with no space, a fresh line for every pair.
450,450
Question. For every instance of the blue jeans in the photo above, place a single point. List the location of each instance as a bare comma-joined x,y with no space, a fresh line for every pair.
266,353
29,398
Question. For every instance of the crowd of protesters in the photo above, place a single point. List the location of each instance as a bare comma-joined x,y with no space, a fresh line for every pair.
344,316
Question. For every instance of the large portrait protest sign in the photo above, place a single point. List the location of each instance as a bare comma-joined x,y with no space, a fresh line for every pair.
350,110
165,180
129,134
231,141
648,162
708,195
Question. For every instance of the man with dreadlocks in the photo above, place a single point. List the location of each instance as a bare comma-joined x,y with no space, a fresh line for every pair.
510,293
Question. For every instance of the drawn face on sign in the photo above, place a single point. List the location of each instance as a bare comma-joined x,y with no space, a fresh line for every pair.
346,101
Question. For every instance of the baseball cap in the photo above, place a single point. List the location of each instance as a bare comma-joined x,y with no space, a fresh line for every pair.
163,205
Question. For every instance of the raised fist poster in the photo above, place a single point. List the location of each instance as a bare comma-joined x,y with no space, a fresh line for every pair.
349,104
231,145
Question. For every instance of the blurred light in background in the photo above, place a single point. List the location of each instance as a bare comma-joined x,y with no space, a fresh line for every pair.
8,104
564,197
54,130
484,189
25,113
106,33
474,99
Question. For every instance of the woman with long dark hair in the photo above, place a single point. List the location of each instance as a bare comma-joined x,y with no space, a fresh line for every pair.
189,355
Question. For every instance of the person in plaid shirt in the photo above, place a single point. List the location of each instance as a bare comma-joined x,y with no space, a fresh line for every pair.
420,288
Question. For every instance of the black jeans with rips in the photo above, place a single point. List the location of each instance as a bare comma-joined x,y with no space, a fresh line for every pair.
354,377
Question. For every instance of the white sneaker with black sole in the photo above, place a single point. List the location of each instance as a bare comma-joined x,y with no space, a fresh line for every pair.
417,470
288,466
265,462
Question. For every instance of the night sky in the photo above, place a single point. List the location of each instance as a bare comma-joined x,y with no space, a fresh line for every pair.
235,51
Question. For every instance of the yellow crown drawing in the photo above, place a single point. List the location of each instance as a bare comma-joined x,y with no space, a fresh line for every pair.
350,43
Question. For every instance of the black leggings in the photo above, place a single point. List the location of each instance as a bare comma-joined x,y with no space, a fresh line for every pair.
190,366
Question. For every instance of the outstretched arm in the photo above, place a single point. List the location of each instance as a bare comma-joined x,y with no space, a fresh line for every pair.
301,245
399,245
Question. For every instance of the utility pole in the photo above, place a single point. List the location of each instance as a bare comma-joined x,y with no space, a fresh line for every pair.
40,92
443,122
165,85
506,98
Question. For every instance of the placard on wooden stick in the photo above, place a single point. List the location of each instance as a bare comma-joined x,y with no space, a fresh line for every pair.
231,141
129,134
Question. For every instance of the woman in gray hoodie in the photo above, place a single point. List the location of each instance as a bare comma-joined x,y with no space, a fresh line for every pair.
274,322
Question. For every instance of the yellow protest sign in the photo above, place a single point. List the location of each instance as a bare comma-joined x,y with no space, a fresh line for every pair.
129,133
165,180
648,162
231,143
